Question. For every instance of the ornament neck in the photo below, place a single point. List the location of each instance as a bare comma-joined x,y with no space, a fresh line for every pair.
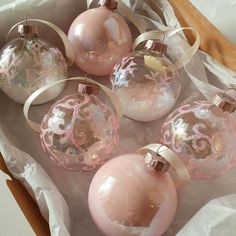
154,46
156,161
28,31
225,102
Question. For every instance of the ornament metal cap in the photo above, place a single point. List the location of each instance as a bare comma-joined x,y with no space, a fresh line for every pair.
156,162
27,29
155,46
225,102
110,4
88,89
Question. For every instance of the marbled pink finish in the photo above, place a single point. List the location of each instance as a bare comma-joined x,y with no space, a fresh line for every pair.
100,38
126,198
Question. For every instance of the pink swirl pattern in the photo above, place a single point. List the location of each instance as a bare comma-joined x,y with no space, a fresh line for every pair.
79,131
203,137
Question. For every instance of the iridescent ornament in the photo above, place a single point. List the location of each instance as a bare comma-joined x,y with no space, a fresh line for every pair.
203,135
28,63
100,37
79,132
128,197
146,83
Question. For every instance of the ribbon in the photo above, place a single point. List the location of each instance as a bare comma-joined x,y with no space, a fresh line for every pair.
171,157
160,35
68,47
36,127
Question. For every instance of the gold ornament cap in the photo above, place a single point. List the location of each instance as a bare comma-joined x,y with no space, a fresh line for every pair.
25,30
225,102
110,4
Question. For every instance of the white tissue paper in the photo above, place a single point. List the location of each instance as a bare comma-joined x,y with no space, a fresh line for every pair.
73,187
214,219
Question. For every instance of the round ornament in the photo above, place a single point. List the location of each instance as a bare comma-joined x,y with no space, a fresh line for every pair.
100,37
127,197
28,63
146,83
203,134
79,130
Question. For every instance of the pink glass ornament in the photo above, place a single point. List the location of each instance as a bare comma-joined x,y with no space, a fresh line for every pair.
100,38
126,198
79,131
203,136
147,85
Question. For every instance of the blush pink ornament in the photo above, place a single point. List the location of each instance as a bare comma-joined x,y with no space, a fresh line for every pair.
100,37
203,135
128,198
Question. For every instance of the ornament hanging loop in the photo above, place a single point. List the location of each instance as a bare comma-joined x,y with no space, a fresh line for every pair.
26,19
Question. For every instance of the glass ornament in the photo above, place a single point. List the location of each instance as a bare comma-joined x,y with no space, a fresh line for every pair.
28,63
128,198
100,37
202,134
79,131
146,83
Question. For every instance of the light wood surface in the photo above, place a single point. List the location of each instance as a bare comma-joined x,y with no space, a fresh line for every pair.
26,203
212,40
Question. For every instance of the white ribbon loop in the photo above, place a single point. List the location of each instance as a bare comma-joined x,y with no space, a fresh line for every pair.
171,157
36,127
158,35
68,47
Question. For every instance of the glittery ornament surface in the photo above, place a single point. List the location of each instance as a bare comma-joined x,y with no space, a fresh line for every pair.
79,132
100,37
27,64
127,198
203,137
146,84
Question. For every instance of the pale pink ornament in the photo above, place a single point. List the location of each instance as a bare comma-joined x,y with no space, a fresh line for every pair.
128,198
203,136
100,37
79,132
147,84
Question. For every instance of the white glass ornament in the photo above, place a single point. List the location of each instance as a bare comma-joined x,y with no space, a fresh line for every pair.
28,63
146,83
